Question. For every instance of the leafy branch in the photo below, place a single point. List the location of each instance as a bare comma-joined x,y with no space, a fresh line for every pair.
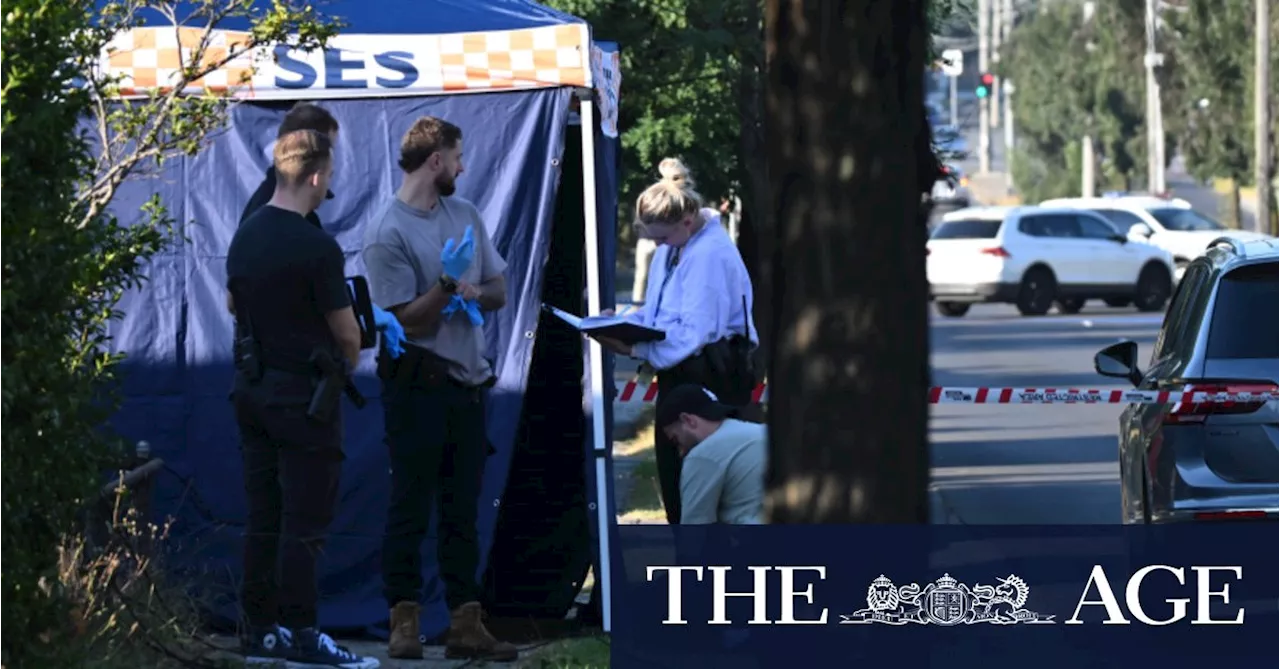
178,116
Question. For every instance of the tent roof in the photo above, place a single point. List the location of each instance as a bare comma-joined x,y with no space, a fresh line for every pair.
386,48
418,17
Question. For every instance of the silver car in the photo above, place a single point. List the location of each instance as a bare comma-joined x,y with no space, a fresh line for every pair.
1206,461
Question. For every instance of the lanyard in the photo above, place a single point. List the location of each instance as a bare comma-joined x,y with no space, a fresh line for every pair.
673,259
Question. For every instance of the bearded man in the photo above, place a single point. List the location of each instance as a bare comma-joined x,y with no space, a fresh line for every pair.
429,258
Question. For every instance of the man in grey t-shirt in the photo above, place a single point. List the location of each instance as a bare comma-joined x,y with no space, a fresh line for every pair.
725,459
430,261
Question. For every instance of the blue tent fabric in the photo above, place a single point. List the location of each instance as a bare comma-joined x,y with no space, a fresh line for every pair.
178,335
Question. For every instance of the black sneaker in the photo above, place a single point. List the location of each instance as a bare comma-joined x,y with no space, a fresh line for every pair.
313,648
267,646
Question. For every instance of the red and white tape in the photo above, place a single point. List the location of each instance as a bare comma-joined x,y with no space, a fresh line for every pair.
637,391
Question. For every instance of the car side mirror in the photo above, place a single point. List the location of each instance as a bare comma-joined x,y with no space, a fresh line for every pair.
1139,230
1119,239
1119,361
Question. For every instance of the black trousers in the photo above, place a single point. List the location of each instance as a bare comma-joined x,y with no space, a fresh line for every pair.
436,435
667,452
291,469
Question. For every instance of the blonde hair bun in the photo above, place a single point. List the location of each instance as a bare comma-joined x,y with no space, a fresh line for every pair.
673,170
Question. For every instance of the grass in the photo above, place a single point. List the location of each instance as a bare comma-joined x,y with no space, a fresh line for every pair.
644,501
588,652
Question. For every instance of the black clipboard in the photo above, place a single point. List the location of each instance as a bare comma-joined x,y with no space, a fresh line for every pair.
611,327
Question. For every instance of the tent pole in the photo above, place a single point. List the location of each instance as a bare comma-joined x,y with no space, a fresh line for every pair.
600,440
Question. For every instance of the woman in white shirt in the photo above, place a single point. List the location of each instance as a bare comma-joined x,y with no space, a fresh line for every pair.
700,295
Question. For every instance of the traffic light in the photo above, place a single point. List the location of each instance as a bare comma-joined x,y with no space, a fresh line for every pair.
985,83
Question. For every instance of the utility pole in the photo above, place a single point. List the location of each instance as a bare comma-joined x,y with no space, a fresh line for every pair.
1262,115
997,39
1088,179
1006,89
1155,117
984,104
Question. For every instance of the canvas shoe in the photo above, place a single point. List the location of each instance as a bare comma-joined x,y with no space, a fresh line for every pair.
313,648
267,646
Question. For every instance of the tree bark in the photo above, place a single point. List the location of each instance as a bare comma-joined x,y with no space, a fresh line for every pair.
755,230
848,412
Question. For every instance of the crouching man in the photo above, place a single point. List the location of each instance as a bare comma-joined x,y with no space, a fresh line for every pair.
430,262
725,459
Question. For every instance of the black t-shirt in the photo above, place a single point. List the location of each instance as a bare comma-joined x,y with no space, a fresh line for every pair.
263,195
287,274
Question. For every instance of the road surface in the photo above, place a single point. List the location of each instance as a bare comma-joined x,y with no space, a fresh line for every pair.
1035,464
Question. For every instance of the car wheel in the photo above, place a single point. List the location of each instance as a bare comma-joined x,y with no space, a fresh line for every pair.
1153,289
1069,305
952,309
1118,302
1035,295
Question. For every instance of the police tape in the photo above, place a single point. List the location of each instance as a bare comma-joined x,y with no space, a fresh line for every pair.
637,391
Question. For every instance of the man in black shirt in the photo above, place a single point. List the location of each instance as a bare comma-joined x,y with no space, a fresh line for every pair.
288,291
303,116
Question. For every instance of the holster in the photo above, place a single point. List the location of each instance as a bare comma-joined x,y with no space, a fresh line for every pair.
332,382
246,350
247,354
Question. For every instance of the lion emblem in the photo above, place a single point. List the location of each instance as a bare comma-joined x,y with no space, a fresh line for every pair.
882,595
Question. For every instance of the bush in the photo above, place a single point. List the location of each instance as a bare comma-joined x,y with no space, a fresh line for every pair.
66,264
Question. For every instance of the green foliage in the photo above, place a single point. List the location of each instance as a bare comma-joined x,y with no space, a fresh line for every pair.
1211,59
690,73
681,63
67,263
1078,79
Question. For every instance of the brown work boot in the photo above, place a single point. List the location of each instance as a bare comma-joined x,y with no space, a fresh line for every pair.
404,643
469,639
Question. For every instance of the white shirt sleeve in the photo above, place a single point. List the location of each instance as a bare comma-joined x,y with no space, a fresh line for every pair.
705,297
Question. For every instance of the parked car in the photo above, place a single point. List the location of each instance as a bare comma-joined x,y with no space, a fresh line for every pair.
1186,461
953,190
1171,224
1039,257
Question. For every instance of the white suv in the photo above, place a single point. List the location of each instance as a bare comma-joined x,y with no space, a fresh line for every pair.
1170,224
1038,257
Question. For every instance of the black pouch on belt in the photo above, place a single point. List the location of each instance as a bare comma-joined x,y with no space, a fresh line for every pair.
416,366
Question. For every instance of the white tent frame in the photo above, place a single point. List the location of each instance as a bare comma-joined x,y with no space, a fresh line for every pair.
599,438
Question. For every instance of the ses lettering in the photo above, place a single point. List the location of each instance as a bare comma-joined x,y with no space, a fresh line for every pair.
343,70
1132,597
759,594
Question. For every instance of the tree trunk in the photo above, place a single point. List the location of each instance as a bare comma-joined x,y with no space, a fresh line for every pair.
1236,219
755,232
848,412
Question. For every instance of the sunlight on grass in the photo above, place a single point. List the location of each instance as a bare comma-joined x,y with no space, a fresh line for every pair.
591,652
639,445
644,504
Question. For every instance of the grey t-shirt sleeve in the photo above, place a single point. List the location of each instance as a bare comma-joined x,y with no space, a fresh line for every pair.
700,483
392,280
492,263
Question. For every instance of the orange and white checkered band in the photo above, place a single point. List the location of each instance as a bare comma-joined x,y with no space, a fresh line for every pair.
358,65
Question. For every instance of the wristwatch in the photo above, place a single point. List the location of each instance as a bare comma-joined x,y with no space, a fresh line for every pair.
449,286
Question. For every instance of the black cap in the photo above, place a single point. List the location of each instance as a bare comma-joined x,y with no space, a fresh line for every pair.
693,399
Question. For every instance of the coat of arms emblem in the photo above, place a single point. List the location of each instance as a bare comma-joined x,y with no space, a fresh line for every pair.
946,602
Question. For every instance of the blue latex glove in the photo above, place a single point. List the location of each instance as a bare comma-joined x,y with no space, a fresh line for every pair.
456,304
392,332
457,258
472,307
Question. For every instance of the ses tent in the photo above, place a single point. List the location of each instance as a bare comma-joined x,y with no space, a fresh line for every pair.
536,99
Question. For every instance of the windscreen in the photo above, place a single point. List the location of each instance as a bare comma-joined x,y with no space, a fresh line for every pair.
1246,314
1184,220
967,228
